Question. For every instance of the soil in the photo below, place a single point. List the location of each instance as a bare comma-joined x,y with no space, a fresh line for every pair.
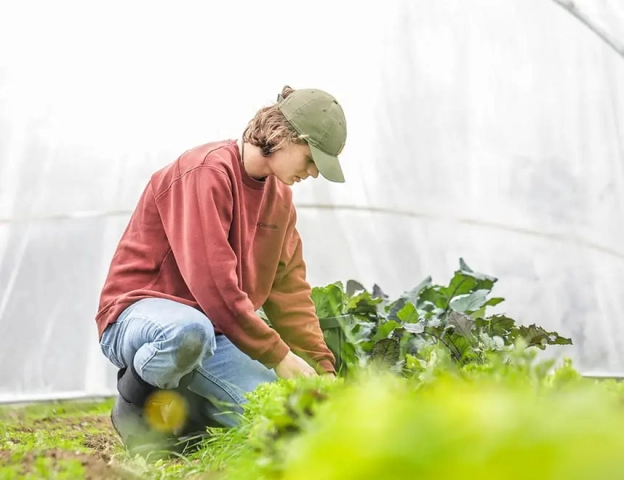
96,468
96,434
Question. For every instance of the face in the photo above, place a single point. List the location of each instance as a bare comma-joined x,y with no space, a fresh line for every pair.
292,163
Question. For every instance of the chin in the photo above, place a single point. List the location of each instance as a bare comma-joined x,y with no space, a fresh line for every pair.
290,182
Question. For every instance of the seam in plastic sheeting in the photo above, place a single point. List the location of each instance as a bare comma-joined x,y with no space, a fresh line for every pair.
568,238
594,25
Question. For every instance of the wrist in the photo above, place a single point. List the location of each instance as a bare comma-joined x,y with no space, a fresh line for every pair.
272,358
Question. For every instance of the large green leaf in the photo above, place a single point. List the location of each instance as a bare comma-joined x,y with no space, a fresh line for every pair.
415,328
363,304
466,270
497,325
469,303
385,329
410,296
465,280
460,284
463,347
538,337
329,300
378,292
480,313
353,286
494,301
463,324
386,351
408,314
434,295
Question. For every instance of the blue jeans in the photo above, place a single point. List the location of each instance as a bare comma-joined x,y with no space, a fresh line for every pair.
167,340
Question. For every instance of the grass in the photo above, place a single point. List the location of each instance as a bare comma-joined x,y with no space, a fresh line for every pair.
61,440
75,440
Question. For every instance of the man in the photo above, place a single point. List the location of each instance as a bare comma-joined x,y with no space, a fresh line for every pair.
211,241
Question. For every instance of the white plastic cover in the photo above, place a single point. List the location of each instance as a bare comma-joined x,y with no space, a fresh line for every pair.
491,130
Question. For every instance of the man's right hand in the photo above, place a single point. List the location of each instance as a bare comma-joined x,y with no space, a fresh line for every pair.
294,366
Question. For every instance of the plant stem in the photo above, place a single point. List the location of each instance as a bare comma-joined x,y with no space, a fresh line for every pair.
455,353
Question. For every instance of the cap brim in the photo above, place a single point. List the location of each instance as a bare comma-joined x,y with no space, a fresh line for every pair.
328,165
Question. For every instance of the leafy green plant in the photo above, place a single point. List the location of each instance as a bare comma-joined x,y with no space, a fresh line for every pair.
511,416
471,400
274,414
379,329
480,426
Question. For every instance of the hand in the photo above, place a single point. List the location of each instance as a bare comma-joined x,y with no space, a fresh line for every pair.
294,366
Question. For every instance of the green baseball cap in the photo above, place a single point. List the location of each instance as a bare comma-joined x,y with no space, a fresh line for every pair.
319,118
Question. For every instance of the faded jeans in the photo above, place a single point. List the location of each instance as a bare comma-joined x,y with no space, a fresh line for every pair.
168,340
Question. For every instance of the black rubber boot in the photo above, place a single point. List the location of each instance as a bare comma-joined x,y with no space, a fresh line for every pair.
132,387
135,417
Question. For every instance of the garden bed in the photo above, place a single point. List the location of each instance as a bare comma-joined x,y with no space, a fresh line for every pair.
432,386
59,440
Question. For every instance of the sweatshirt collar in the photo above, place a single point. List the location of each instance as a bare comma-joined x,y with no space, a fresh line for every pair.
247,180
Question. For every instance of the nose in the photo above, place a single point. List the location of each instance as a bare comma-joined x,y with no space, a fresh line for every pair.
313,171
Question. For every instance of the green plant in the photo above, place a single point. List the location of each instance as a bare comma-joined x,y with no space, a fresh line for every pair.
379,329
480,426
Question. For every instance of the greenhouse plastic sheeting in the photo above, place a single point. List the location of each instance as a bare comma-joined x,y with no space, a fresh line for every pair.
488,130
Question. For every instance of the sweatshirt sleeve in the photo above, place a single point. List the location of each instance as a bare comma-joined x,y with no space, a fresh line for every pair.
290,308
196,213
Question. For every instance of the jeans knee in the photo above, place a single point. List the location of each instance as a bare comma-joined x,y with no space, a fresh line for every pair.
192,341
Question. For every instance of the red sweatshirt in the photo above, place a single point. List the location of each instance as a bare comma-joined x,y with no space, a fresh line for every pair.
206,234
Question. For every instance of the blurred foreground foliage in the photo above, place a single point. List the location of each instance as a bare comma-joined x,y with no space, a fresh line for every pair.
436,388
432,385
511,417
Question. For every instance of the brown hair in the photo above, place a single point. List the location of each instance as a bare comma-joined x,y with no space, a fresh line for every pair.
270,130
